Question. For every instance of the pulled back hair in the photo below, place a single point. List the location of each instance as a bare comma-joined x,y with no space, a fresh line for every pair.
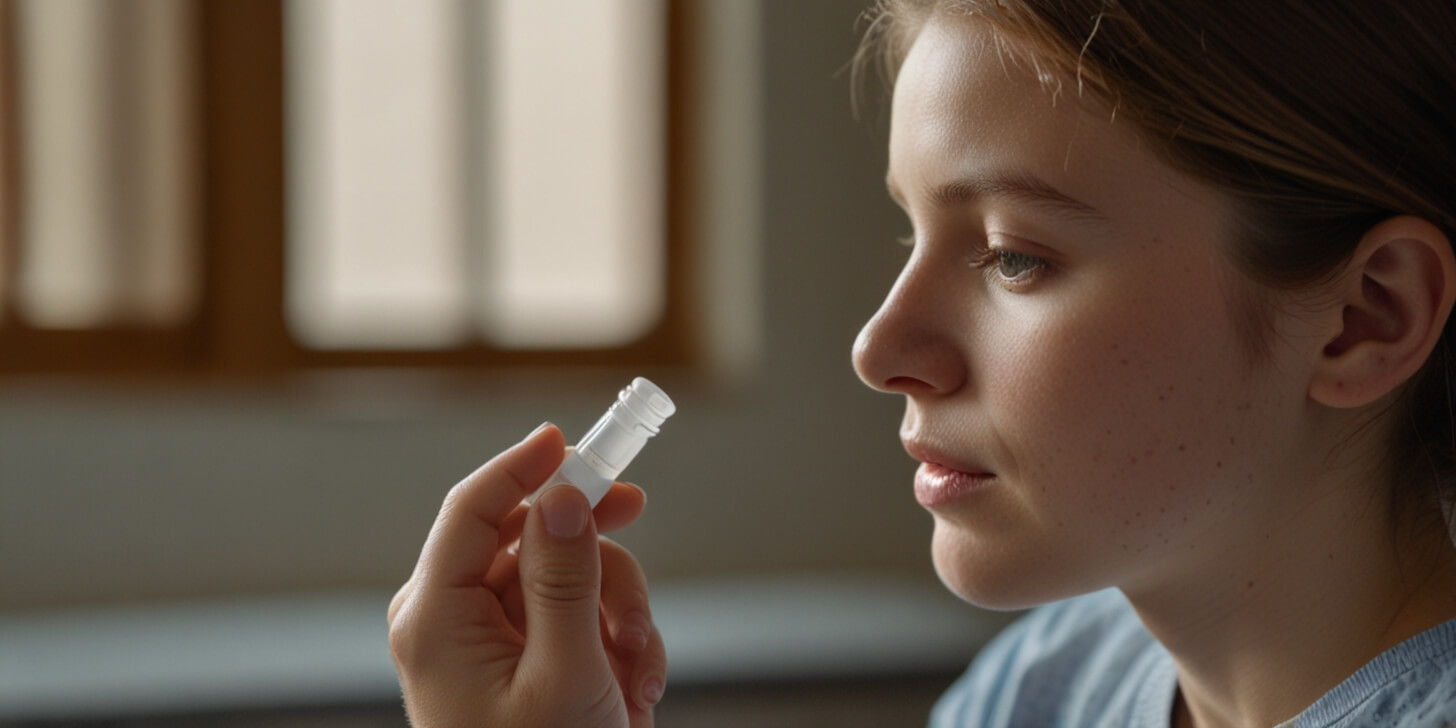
1316,120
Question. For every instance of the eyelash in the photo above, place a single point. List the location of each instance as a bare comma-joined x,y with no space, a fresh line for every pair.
994,260
991,261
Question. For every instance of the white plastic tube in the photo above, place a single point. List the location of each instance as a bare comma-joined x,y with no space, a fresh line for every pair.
617,437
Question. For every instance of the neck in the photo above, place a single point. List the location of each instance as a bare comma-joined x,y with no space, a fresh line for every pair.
1252,621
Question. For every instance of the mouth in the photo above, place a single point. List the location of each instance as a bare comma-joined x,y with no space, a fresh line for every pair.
941,479
937,486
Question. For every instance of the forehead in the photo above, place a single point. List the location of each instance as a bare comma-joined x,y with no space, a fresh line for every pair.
966,105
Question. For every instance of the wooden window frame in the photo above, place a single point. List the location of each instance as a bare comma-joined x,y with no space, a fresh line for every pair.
240,329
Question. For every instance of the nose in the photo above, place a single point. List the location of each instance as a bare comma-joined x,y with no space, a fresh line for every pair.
910,345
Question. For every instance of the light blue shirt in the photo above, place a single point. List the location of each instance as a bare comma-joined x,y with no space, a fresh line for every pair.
1088,662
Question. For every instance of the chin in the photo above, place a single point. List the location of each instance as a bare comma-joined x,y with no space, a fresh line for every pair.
992,578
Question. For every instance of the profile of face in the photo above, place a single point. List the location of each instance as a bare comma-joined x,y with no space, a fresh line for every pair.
1071,339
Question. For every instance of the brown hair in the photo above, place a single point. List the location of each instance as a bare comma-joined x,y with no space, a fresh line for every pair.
1317,120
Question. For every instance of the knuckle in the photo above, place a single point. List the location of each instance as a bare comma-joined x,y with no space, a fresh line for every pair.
564,583
635,599
454,497
394,604
403,639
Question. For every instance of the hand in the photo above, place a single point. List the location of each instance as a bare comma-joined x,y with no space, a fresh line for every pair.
551,630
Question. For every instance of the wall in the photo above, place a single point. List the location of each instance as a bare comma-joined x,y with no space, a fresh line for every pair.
785,464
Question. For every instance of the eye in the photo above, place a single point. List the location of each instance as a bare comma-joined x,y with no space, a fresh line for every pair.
1016,267
907,240
1012,269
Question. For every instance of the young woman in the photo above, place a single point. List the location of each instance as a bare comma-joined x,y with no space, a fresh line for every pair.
1172,337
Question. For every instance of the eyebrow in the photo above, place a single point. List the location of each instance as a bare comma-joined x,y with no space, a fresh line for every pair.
1015,186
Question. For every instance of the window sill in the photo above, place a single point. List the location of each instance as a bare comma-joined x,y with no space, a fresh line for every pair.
330,649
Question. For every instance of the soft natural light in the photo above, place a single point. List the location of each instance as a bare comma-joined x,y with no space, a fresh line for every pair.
488,171
579,140
66,280
106,120
376,254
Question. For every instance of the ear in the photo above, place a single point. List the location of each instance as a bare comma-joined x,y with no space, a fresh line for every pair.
1389,309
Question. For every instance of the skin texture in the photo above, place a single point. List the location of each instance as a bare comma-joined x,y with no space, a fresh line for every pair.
1069,328
1091,363
522,615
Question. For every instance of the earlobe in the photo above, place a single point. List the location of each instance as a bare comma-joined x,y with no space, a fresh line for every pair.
1388,311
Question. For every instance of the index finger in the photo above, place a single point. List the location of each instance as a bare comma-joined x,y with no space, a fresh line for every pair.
463,541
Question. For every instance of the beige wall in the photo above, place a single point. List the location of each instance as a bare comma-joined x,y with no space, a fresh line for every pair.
331,482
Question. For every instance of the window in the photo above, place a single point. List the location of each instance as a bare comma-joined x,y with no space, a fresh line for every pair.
256,187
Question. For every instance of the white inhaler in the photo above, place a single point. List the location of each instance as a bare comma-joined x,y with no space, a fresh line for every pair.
616,438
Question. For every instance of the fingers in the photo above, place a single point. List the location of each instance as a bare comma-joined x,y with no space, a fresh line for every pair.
624,597
620,507
628,617
560,573
466,534
649,675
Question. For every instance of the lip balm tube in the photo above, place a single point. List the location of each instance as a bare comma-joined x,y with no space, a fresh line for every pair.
614,440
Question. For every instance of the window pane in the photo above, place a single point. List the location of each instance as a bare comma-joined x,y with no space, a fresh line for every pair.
7,158
471,170
165,282
578,144
106,127
376,243
67,280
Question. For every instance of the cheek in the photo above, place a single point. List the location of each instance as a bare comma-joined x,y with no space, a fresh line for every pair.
1135,419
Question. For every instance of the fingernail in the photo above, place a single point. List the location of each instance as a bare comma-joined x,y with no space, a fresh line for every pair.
652,690
565,513
538,429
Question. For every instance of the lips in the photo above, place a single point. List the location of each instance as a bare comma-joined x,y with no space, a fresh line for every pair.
937,485
941,479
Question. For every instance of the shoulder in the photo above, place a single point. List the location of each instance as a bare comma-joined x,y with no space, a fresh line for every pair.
1411,686
1084,661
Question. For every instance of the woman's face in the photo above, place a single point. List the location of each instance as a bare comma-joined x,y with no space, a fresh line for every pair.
1066,333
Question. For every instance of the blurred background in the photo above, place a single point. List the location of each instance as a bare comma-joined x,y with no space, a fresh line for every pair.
275,274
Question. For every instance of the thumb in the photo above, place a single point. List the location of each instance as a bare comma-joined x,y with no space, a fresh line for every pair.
561,581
